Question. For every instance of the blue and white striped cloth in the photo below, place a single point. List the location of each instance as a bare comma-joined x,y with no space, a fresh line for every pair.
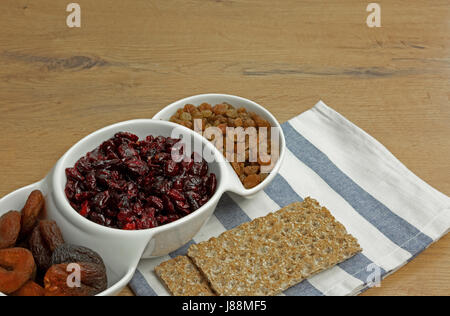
393,214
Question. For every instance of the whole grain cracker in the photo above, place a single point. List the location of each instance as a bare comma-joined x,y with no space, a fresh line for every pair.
182,278
270,254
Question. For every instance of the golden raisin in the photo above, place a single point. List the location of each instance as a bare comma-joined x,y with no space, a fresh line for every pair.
220,109
252,181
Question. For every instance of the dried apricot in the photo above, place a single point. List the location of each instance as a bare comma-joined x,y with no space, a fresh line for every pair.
60,280
51,234
67,253
16,268
30,213
40,250
9,229
30,289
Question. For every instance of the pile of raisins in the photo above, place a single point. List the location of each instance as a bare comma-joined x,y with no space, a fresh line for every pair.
222,116
130,184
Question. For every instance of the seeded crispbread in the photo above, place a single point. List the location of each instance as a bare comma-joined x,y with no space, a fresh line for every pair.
270,254
182,278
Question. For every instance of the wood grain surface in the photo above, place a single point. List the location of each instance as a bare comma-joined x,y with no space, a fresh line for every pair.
131,58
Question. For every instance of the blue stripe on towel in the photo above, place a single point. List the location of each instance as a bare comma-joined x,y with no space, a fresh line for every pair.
357,267
182,251
303,289
230,214
391,225
281,192
140,286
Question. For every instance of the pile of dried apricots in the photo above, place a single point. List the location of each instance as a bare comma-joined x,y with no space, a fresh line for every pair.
34,258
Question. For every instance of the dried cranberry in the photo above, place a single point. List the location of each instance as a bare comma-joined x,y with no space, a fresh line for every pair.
132,190
83,196
196,169
129,226
130,184
74,174
145,223
97,218
127,151
171,168
161,157
106,164
176,195
137,166
83,165
193,199
70,189
101,199
192,183
168,205
155,201
211,184
127,135
85,209
172,141
183,207
124,216
204,200
178,183
95,155
187,165
90,181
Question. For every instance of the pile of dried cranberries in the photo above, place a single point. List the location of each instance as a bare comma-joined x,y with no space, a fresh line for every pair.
130,184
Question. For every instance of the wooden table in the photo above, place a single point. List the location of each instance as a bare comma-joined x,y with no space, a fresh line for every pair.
131,58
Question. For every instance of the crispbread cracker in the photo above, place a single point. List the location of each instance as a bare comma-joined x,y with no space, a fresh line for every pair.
270,254
182,278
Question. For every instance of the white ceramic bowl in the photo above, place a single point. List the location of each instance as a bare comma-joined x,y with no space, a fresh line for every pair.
237,102
121,250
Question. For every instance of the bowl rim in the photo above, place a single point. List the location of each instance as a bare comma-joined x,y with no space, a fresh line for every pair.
78,220
242,191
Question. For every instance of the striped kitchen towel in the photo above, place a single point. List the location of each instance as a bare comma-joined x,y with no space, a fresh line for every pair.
393,214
